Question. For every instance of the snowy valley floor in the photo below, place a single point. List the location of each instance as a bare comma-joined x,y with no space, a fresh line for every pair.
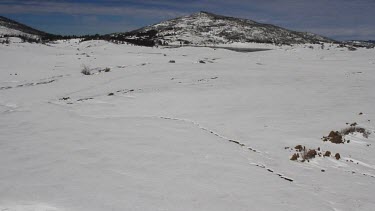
211,135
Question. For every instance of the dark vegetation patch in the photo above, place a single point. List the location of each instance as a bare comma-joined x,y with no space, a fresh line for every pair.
86,70
302,154
351,130
337,156
334,137
295,156
337,137
327,154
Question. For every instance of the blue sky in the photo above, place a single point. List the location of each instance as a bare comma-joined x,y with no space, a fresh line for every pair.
339,19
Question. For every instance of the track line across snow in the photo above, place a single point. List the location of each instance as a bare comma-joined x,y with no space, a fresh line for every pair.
231,141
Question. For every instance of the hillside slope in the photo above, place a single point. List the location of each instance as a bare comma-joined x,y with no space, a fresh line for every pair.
12,28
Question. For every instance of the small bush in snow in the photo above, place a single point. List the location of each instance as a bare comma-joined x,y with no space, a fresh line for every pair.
337,156
295,156
298,148
337,137
334,137
86,70
310,154
303,154
327,154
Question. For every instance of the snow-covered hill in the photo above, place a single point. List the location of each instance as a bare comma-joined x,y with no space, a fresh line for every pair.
12,28
207,28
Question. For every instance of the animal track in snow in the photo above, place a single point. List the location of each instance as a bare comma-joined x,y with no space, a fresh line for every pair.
212,132
272,171
71,100
232,141
40,82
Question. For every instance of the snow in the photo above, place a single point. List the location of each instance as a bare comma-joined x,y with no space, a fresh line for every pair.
184,135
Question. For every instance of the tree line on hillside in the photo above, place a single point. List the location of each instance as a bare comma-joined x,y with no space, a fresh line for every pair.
136,38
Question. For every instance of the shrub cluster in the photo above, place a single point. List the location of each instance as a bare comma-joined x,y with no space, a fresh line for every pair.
303,154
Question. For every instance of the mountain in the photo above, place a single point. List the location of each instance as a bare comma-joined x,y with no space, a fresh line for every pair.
208,28
12,28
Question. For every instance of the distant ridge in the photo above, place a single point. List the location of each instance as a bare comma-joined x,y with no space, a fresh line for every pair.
11,27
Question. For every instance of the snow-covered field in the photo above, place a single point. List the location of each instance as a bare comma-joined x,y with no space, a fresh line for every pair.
155,135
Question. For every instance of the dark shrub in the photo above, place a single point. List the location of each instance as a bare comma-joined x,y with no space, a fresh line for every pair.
335,137
327,154
310,154
298,148
86,70
337,156
295,156
353,129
